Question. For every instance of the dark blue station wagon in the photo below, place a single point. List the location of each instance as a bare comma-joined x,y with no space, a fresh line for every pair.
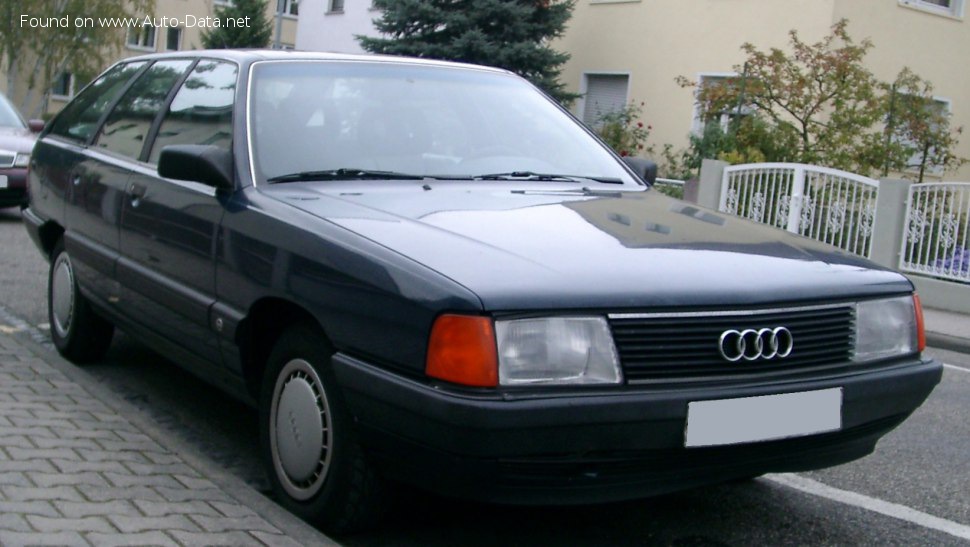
430,273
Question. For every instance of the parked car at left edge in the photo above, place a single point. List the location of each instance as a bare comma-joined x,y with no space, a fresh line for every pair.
16,141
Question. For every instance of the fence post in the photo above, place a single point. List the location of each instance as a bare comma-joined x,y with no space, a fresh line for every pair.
890,222
795,200
709,189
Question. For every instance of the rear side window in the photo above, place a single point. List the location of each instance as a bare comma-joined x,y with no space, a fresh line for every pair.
127,126
201,112
79,119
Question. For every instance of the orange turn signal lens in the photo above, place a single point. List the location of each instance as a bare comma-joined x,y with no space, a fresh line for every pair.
462,351
920,329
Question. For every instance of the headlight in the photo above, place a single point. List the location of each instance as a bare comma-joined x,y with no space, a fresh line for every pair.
556,351
21,160
886,328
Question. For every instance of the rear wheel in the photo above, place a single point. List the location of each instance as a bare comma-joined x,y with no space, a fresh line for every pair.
78,332
314,463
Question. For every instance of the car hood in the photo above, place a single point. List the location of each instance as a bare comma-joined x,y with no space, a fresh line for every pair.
16,139
523,249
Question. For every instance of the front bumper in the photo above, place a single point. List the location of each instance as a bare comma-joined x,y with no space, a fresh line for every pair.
585,447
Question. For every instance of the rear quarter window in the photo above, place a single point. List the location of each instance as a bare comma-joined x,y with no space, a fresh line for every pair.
79,119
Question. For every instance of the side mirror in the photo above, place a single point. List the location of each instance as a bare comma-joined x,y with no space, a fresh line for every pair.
207,164
645,169
36,126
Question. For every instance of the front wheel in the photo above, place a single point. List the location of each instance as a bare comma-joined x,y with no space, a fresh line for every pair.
312,458
79,334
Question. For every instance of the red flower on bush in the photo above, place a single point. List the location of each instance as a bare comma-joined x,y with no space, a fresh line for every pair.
624,153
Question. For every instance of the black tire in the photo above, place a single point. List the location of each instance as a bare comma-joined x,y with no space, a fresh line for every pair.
78,332
332,487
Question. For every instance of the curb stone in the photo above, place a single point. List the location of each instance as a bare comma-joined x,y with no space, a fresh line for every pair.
947,342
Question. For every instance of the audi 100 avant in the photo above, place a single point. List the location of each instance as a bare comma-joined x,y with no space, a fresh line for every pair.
430,273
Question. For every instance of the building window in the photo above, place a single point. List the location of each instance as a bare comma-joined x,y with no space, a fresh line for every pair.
336,6
142,38
63,86
291,7
936,109
173,39
951,8
605,93
702,118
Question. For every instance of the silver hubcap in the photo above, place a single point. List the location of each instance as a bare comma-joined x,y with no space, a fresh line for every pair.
300,430
62,295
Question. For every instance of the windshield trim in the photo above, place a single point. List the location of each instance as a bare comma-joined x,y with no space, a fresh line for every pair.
259,181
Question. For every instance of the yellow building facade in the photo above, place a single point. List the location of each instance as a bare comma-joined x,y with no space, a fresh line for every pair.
632,51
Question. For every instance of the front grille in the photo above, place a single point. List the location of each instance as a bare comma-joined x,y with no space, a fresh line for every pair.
7,158
684,346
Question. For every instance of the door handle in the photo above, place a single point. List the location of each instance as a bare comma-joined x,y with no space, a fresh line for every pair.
136,192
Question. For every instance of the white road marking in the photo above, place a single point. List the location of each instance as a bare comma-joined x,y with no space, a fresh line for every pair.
14,322
954,367
875,505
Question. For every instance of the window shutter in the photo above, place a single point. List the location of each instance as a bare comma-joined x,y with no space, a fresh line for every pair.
604,94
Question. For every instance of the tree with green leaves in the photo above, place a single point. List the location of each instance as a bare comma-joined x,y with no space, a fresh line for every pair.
510,34
918,132
256,34
34,57
819,104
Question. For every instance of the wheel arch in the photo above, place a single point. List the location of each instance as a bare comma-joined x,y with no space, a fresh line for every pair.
258,332
48,235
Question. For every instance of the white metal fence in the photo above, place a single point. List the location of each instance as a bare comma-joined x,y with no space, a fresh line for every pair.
935,235
829,205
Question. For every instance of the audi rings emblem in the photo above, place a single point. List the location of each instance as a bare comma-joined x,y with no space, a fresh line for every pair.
752,345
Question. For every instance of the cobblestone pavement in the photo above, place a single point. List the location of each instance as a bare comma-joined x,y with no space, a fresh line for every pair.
79,469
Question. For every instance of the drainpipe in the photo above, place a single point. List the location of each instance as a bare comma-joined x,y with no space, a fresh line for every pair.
279,24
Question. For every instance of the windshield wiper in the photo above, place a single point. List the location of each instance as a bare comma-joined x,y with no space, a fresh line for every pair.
343,174
529,175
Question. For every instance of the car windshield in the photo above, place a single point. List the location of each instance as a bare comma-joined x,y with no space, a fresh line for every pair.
338,119
8,115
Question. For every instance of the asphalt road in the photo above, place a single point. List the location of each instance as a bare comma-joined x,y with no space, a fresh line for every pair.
920,473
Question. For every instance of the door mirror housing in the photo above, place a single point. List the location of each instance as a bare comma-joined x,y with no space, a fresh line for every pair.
35,126
645,169
207,164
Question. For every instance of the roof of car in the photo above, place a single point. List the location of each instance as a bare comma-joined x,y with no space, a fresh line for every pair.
254,55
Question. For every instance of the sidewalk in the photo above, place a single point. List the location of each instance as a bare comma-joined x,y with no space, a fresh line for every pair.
79,467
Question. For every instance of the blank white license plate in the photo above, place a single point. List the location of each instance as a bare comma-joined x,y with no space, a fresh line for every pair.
3,181
768,417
